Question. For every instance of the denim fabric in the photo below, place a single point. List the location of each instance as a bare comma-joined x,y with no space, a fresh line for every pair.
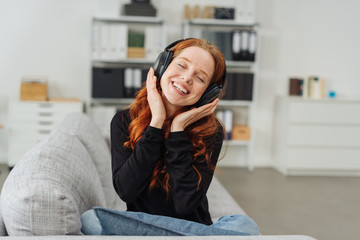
237,223
100,221
90,224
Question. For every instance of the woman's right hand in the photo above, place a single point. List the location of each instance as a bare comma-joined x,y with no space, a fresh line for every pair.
158,113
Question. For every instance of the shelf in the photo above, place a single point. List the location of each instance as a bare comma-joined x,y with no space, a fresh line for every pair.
235,103
145,61
129,19
116,101
121,63
220,22
322,100
240,64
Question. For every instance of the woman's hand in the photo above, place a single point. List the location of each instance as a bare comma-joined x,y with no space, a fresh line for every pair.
184,119
158,113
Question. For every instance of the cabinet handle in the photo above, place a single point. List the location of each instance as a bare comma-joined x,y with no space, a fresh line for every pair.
44,131
45,122
45,114
45,105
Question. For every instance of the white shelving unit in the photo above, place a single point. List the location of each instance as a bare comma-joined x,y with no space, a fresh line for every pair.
103,109
236,153
317,136
136,23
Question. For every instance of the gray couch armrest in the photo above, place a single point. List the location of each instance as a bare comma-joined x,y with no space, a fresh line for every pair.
50,187
221,203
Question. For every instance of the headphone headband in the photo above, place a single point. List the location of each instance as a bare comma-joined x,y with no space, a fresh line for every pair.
173,44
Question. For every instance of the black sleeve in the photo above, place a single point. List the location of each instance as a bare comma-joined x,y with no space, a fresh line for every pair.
132,169
187,193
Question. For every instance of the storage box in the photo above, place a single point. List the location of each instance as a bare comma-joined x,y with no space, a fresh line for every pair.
136,52
240,132
35,89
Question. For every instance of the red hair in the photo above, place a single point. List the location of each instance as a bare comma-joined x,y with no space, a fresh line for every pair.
198,132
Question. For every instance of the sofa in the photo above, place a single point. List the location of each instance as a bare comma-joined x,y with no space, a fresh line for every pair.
70,172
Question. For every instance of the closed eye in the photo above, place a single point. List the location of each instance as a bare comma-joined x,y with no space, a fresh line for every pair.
202,80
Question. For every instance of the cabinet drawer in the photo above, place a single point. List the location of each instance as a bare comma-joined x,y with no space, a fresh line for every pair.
323,159
41,113
319,135
324,112
28,107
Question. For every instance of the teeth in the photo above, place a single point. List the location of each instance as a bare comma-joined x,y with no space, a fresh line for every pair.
180,88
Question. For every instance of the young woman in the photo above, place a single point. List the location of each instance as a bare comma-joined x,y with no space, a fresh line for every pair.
164,150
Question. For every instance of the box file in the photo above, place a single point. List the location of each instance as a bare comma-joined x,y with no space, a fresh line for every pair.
107,83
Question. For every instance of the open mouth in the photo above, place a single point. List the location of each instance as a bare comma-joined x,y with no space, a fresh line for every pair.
180,88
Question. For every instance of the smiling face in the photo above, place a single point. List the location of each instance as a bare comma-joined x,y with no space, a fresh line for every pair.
187,77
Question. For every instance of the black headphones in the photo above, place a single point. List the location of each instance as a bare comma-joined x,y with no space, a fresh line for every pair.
163,61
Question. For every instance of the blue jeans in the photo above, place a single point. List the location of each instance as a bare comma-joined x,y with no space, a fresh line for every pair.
227,225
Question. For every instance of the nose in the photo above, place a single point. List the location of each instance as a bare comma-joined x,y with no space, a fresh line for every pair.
187,77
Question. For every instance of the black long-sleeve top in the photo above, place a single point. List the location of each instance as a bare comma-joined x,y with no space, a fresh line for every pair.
132,171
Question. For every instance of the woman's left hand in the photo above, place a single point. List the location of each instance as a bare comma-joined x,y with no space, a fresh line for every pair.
184,119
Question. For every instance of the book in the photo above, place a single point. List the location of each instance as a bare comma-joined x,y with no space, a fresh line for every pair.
316,87
294,86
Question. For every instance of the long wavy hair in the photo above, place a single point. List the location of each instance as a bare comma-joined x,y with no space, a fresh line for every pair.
199,132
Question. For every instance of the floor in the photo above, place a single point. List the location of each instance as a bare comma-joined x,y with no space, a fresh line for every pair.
321,207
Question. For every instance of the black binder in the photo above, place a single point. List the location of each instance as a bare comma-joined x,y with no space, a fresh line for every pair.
244,86
107,83
229,87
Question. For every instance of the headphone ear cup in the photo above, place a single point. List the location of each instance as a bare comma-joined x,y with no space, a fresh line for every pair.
161,63
209,95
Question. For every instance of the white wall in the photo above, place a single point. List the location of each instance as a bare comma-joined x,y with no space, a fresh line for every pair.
302,38
51,38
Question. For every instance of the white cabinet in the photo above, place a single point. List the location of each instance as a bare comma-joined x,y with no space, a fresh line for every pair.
317,137
31,121
235,152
